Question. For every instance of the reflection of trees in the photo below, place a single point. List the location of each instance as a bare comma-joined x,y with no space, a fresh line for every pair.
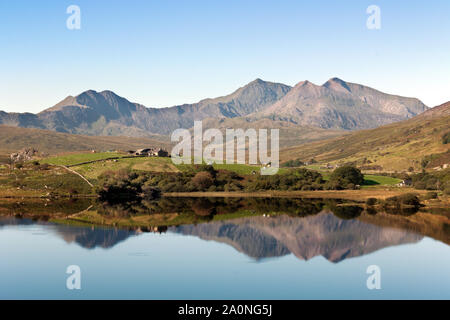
292,207
403,211
347,212
209,207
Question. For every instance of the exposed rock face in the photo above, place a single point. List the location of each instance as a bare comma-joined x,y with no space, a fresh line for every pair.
24,155
320,235
105,113
341,105
336,104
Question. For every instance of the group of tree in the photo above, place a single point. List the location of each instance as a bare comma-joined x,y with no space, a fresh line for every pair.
131,185
293,163
298,179
124,185
432,181
346,177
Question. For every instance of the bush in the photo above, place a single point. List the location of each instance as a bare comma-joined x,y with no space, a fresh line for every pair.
44,166
299,179
124,185
430,195
446,138
371,201
293,163
203,180
407,199
431,181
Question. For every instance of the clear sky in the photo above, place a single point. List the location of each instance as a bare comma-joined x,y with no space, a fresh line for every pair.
162,53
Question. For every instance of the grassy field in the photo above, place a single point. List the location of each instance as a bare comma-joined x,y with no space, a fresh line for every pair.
92,170
33,182
373,180
154,164
72,159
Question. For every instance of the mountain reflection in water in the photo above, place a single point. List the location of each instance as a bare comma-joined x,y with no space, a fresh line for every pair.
259,228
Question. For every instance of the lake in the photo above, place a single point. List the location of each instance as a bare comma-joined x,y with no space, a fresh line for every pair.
222,249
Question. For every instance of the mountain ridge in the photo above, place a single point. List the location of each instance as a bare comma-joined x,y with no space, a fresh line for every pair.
334,105
342,105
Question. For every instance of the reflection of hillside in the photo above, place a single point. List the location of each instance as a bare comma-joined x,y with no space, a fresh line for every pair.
305,228
320,235
435,226
94,237
87,237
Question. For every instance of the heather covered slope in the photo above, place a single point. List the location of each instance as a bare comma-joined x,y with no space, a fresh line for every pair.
396,146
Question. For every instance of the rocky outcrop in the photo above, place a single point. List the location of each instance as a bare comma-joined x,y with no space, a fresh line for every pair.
26,154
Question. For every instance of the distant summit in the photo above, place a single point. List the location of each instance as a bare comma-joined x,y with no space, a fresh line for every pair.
342,105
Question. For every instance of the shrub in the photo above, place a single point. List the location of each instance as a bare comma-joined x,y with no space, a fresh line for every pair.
299,179
203,180
446,138
430,195
371,201
293,163
407,199
124,185
44,166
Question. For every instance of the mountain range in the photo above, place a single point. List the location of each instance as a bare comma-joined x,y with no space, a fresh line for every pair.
336,105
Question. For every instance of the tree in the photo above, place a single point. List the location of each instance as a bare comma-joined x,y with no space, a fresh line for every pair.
347,175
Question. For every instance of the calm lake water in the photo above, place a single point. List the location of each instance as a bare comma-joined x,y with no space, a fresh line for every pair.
306,250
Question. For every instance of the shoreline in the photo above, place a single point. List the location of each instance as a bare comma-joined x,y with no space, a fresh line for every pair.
360,195
363,194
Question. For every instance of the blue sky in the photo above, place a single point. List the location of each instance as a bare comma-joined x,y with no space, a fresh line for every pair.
163,53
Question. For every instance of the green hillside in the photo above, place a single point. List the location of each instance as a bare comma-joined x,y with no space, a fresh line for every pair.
395,147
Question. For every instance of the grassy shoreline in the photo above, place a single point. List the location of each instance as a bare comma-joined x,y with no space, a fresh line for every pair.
357,195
